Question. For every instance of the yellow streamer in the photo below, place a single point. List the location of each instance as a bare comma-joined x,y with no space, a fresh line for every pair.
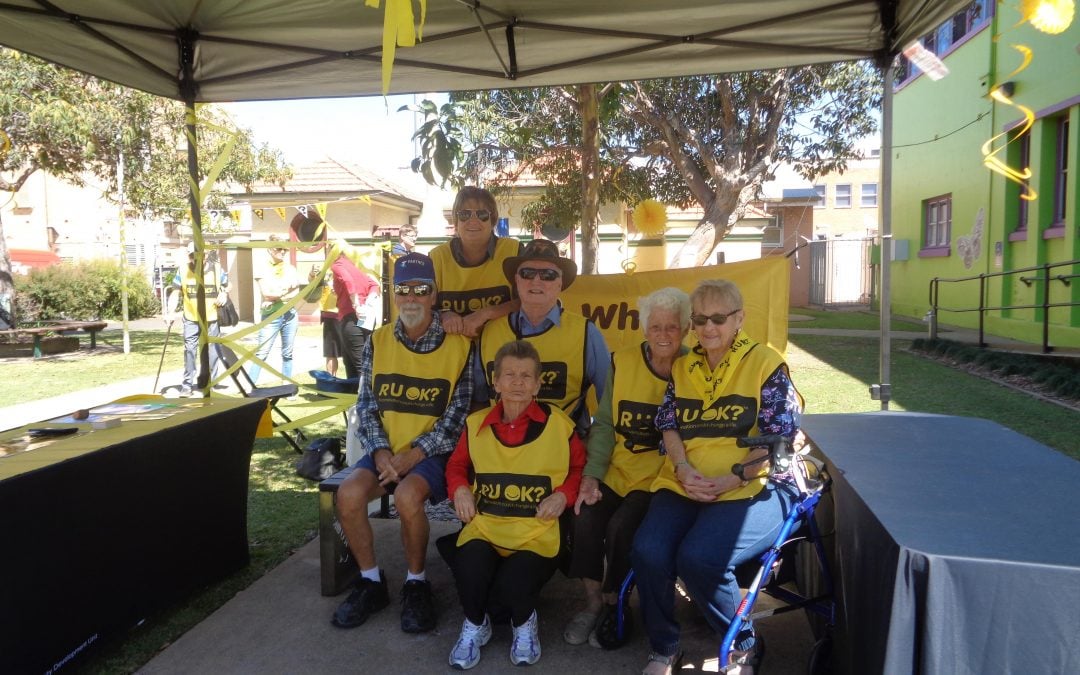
991,160
399,30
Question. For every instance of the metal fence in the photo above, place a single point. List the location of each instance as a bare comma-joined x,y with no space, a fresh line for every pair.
840,272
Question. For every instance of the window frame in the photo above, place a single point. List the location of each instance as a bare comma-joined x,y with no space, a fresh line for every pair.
1061,171
836,196
822,191
941,245
863,195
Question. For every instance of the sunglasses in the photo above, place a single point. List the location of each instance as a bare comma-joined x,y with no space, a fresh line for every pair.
717,319
278,250
546,274
481,214
419,290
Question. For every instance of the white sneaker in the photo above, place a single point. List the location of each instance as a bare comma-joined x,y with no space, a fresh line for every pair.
525,648
466,651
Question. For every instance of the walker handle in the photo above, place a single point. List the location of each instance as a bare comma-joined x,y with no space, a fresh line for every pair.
779,453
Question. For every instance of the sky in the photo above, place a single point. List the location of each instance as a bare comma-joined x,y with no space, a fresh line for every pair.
368,130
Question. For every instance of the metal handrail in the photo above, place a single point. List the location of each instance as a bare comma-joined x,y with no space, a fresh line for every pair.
1043,276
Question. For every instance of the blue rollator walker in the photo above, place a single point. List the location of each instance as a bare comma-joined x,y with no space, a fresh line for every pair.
812,482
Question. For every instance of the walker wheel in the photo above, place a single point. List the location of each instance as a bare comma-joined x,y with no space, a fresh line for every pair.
820,661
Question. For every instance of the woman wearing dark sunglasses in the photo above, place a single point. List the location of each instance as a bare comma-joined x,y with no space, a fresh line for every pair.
468,268
703,520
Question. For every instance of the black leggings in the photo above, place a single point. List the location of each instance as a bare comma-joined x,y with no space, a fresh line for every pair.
606,530
484,577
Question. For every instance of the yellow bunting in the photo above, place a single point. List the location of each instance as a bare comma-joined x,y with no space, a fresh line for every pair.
399,30
235,215
280,212
321,208
258,213
650,217
1048,16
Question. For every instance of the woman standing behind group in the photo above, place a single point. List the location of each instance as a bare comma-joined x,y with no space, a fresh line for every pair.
623,460
469,267
278,285
703,520
525,463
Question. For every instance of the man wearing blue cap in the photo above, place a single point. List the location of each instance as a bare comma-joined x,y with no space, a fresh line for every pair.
416,383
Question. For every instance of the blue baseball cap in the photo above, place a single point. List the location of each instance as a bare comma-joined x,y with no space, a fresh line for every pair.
414,267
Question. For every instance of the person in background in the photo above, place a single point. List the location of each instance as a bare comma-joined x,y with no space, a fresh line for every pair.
469,267
415,389
328,316
703,520
278,284
406,242
624,458
216,293
571,347
514,470
359,308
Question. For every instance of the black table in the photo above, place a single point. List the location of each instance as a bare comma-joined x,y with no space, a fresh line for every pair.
99,530
957,546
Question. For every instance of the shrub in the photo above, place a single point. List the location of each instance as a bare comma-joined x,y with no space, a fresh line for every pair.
83,291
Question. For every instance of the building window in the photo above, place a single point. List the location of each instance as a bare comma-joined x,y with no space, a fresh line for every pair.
773,234
842,196
937,225
1024,151
1061,171
868,198
820,190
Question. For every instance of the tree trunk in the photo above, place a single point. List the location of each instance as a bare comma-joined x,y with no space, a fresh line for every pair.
7,285
590,176
710,231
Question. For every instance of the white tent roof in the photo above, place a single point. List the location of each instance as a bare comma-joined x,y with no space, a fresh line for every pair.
273,49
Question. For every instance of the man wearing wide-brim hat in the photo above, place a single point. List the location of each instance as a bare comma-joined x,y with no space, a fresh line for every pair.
572,350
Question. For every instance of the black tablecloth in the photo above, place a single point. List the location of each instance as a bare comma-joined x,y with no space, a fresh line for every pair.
957,546
96,540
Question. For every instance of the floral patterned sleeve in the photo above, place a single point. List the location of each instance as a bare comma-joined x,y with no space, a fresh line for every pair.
781,405
665,415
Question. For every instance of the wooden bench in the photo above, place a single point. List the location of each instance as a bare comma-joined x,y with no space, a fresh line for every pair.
337,567
60,328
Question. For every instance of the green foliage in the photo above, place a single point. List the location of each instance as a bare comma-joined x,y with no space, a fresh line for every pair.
89,290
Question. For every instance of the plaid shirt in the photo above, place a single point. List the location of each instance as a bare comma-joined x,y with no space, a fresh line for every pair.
442,438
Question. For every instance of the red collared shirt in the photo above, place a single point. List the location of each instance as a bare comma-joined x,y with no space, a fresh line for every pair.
460,464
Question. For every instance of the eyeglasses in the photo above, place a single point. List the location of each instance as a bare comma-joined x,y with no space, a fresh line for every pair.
717,319
481,214
546,274
278,250
419,290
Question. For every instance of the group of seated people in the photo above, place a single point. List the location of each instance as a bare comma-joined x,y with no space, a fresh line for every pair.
477,392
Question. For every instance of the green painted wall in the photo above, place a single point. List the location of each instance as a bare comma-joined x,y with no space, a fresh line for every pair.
939,128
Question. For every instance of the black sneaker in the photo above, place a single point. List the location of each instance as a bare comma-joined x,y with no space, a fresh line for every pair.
417,607
366,598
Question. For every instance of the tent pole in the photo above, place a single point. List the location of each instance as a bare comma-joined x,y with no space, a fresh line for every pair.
885,221
186,40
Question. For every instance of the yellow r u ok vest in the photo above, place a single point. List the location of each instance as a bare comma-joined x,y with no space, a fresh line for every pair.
464,290
413,389
562,356
511,481
188,284
636,393
709,429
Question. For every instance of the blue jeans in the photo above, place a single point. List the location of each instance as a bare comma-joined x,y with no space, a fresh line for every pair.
191,349
701,544
287,324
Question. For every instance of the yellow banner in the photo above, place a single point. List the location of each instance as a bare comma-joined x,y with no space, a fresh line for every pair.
610,300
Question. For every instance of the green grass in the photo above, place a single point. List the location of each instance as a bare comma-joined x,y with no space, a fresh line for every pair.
833,374
851,320
86,369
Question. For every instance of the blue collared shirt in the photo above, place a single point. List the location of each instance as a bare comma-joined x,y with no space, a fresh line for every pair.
444,435
597,359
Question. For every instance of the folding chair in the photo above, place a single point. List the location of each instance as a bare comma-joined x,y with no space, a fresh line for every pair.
248,389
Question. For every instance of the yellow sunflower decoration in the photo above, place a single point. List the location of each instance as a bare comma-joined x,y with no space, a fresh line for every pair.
650,218
1048,16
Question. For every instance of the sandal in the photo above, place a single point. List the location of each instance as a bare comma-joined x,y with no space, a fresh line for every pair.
748,662
606,634
670,663
577,631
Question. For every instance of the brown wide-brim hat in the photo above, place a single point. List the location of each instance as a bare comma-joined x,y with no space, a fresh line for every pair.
543,250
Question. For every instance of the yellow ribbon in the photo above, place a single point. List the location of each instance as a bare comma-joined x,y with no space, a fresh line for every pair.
399,30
